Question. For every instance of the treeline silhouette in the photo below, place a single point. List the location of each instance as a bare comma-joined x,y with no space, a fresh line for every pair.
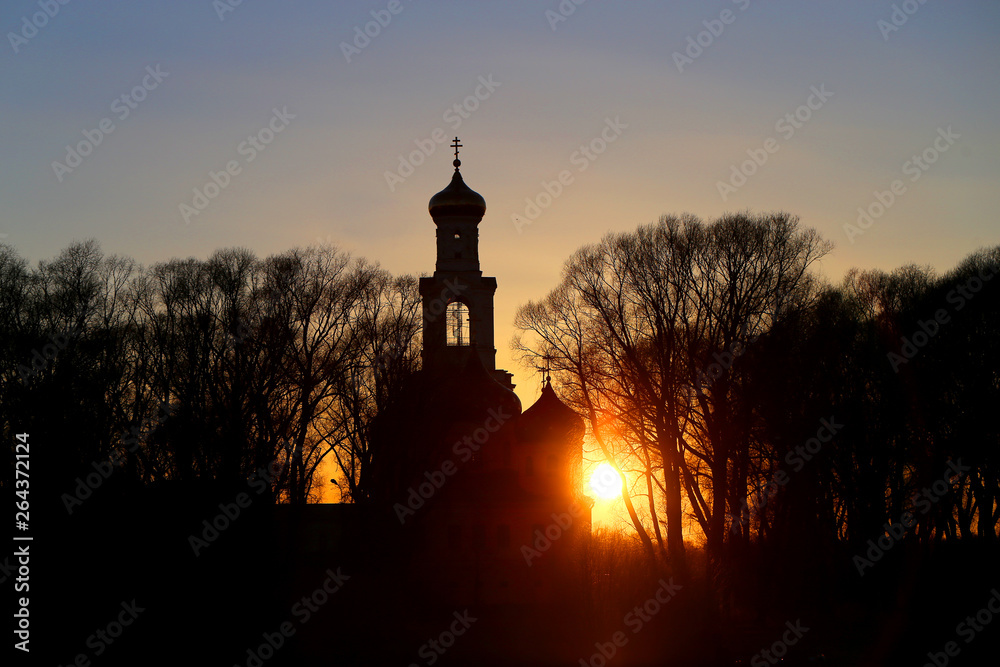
791,447
804,429
205,370
179,418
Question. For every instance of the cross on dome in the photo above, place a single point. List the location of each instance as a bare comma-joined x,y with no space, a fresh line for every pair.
545,370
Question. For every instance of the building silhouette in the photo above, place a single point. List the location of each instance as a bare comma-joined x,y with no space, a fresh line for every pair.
488,496
472,505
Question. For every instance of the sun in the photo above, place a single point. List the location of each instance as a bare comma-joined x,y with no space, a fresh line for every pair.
605,482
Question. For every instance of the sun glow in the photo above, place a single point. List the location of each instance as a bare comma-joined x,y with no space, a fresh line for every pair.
605,482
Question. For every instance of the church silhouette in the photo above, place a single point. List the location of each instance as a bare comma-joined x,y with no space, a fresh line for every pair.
489,497
474,508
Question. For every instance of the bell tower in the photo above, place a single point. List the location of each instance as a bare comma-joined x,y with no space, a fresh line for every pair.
458,299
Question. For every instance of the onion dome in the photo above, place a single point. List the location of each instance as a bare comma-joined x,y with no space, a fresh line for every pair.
458,199
549,418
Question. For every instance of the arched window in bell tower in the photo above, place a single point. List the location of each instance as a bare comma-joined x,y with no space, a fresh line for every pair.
457,324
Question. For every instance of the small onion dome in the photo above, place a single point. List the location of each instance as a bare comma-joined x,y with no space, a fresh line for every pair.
549,418
458,199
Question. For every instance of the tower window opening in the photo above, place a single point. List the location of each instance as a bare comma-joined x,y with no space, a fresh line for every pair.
457,324
457,236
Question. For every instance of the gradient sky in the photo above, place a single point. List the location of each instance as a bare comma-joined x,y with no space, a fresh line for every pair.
323,176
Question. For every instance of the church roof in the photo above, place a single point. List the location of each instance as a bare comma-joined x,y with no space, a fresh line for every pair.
549,417
458,199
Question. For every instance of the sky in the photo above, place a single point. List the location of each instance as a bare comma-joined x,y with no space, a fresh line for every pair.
172,129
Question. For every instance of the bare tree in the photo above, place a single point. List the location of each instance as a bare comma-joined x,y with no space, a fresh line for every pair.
634,331
384,353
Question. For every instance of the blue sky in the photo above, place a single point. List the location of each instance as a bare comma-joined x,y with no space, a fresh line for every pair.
680,133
